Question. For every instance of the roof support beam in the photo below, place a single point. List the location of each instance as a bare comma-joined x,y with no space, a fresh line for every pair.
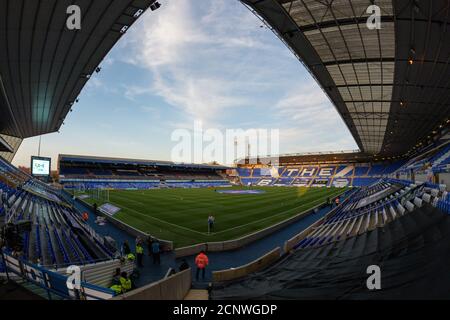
4,146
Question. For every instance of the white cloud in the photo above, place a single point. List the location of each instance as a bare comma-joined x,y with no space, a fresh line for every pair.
132,92
196,57
312,122
211,59
107,62
201,97
159,38
93,84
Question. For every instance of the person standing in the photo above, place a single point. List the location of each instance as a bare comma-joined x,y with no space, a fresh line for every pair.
149,245
201,261
337,201
156,251
138,240
126,248
116,277
85,216
139,254
211,223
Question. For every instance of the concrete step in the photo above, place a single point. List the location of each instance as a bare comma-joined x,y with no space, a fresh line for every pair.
197,294
35,289
14,291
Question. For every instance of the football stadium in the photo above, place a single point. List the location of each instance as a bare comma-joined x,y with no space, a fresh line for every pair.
365,224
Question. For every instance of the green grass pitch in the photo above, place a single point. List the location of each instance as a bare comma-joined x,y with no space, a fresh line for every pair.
180,215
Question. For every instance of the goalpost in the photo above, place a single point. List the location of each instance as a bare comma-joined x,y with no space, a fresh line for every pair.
76,190
102,195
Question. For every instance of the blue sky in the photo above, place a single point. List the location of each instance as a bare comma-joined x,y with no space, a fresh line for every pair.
195,60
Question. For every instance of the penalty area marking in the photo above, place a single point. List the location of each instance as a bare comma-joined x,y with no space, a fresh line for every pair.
149,216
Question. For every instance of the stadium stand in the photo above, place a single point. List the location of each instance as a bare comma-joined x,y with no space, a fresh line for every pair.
393,223
397,214
434,158
369,208
79,172
58,237
322,175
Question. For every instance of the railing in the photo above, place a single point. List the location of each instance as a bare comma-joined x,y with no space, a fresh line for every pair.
53,282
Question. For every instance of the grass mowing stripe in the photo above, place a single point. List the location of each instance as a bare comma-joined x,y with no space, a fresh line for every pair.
250,214
163,213
236,198
294,206
162,221
306,205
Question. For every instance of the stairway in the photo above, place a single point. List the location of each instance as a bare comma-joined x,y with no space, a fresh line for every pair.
197,294
11,290
34,291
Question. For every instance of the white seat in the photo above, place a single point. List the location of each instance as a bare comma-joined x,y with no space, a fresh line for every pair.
426,197
400,209
410,206
393,213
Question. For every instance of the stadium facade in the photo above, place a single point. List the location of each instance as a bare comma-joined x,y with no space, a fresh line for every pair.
389,84
429,164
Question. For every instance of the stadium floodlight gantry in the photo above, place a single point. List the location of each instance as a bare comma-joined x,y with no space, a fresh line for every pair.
44,65
390,85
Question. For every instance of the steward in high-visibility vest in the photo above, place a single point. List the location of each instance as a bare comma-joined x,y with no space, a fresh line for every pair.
125,282
117,289
139,254
131,257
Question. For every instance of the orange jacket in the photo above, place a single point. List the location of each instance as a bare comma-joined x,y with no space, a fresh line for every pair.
201,261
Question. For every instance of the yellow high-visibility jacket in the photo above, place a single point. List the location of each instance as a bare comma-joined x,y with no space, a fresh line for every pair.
125,283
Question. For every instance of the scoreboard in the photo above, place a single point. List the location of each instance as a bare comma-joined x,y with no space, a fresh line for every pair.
40,166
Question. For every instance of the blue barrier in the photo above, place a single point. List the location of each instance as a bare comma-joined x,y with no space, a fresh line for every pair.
53,282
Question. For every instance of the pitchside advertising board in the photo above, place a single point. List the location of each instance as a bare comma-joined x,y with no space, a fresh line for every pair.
40,167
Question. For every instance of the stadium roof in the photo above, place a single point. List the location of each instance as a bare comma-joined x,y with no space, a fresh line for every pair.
44,65
311,158
391,86
4,145
134,162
